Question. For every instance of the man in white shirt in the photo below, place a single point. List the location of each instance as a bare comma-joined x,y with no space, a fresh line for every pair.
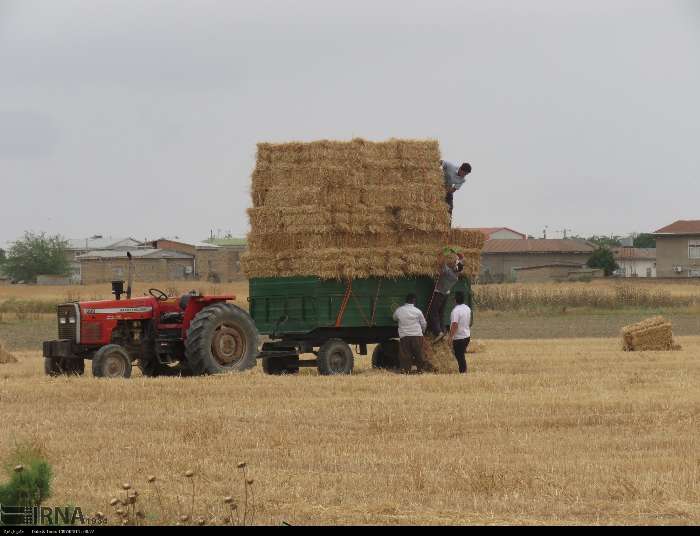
412,325
460,330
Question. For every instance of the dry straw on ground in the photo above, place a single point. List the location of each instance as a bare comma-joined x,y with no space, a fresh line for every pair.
5,356
351,210
440,356
652,334
541,432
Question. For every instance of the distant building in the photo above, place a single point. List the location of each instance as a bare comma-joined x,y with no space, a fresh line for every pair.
635,262
80,246
678,249
556,272
500,233
103,266
212,262
500,258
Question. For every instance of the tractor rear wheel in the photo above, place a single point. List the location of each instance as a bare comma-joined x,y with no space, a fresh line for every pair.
221,338
335,357
111,361
386,355
64,366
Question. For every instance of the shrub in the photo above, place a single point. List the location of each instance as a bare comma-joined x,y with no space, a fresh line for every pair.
29,479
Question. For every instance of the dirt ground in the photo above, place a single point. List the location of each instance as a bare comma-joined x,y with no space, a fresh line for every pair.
539,431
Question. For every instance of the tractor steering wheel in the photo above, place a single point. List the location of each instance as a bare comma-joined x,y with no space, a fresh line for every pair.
158,294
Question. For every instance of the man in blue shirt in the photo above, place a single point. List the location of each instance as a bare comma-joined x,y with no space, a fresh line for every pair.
454,179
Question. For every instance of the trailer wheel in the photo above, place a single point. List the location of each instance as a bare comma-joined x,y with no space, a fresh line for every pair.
386,355
335,357
111,361
63,366
221,338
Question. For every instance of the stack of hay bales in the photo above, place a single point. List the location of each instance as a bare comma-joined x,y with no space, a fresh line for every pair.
652,334
5,356
345,210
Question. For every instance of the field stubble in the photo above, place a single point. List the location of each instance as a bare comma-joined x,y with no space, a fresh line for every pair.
571,431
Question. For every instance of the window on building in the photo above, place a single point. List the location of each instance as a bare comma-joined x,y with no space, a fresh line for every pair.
694,249
648,272
118,271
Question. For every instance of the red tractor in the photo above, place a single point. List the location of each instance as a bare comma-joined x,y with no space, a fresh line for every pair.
190,335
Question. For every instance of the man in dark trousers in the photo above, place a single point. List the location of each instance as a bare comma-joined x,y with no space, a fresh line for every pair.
412,324
454,179
449,275
460,330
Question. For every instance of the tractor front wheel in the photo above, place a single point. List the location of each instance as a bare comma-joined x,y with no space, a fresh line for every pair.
221,338
111,361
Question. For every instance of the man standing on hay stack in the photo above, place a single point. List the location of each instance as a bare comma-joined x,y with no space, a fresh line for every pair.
412,324
454,179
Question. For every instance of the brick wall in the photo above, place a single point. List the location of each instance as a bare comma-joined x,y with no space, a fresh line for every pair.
500,265
145,270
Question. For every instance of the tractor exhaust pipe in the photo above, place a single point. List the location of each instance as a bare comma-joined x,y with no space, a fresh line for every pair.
130,276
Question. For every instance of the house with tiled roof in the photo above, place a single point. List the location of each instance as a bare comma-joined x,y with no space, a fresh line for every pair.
501,259
678,249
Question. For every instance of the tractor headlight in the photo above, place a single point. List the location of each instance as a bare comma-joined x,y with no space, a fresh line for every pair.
71,320
61,320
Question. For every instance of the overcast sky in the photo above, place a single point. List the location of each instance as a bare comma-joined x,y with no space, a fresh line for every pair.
140,117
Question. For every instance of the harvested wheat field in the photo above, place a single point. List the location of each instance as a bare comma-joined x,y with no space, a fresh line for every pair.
572,431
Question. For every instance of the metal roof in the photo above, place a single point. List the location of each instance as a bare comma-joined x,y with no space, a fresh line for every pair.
102,242
142,253
537,245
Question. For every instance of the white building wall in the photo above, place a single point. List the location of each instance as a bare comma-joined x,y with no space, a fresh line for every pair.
638,267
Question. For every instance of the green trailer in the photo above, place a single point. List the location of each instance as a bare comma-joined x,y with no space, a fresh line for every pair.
308,316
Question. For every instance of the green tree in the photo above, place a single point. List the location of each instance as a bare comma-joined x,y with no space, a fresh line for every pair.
644,240
603,258
37,254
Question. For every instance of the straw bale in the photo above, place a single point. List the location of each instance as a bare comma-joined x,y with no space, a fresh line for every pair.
343,263
5,356
466,238
440,357
649,335
351,209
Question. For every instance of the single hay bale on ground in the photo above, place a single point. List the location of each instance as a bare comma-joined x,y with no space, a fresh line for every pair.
652,334
5,356
440,357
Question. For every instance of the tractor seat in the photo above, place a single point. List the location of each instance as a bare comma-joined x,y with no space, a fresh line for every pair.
184,300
